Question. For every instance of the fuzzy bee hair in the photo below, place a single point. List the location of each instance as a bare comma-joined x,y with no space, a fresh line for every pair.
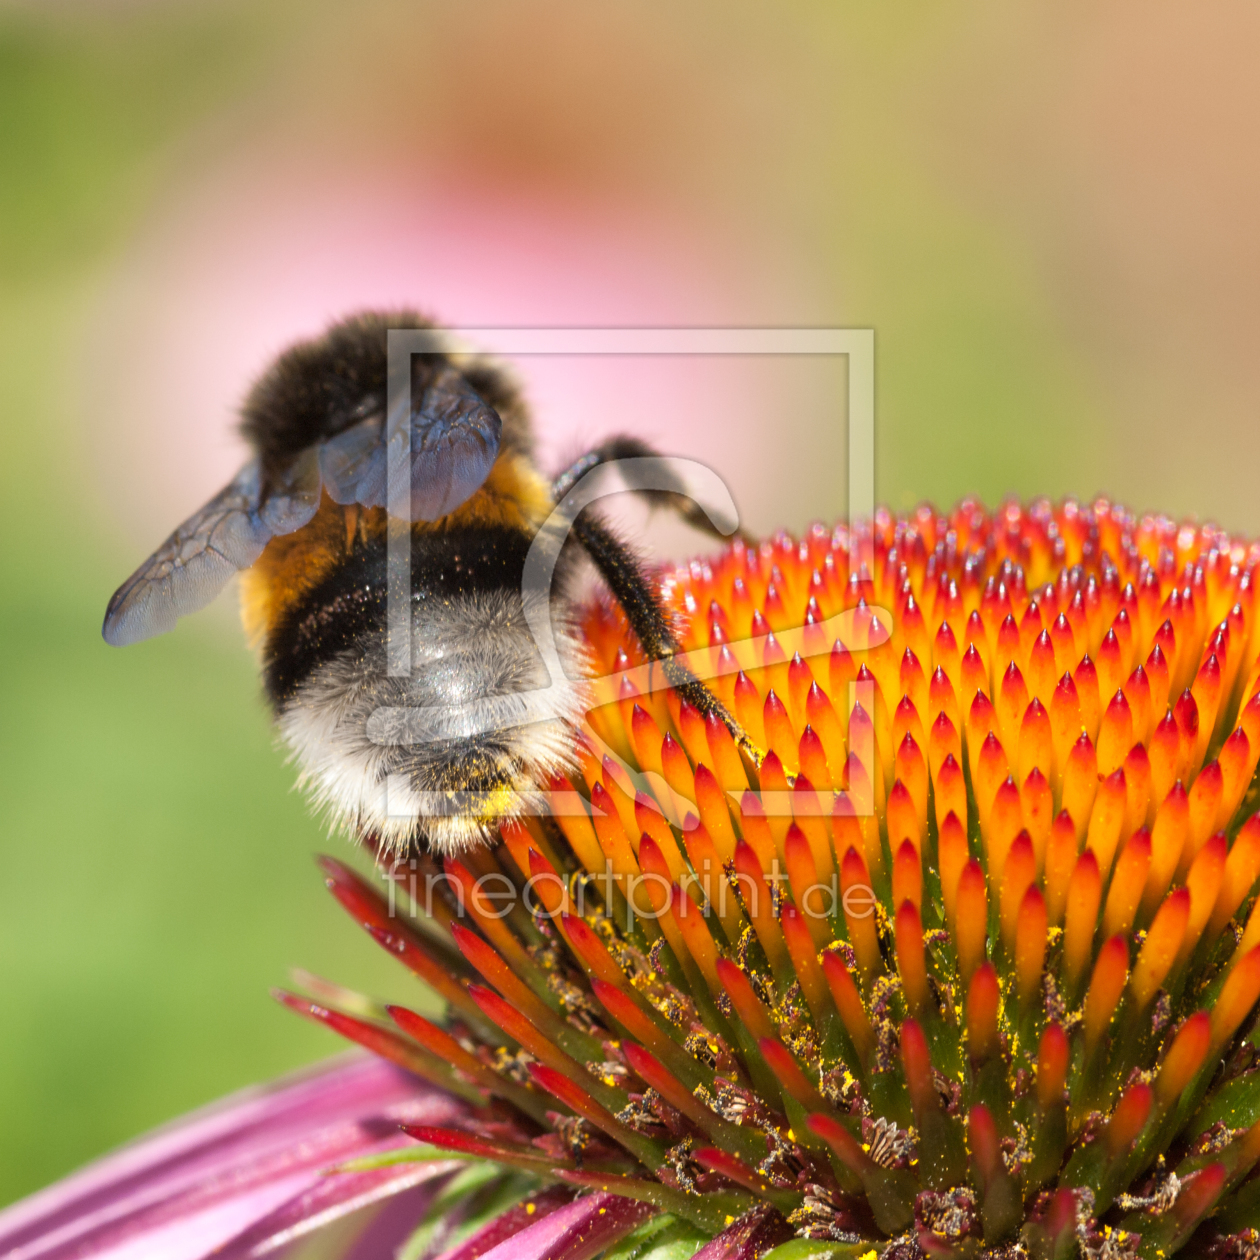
315,603
368,775
317,389
305,521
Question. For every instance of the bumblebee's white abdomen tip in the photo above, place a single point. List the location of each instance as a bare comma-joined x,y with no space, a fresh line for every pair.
393,757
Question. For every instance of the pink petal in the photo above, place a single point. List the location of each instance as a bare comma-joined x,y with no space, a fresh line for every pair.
577,1231
529,1211
199,1182
339,1194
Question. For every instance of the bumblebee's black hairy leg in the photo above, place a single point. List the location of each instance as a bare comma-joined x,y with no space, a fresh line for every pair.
625,447
635,593
648,620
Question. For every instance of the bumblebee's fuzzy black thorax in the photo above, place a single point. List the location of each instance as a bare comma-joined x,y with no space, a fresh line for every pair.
321,387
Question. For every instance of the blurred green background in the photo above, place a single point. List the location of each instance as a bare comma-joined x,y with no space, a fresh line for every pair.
1047,216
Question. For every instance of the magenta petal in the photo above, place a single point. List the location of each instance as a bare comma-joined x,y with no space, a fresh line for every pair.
336,1195
759,1229
529,1211
578,1231
201,1181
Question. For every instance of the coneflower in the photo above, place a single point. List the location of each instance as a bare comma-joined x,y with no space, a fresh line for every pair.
959,960
962,963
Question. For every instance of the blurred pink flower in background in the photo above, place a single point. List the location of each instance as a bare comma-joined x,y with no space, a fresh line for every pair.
254,257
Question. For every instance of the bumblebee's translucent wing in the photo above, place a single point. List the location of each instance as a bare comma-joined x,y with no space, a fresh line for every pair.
194,564
294,498
454,441
352,465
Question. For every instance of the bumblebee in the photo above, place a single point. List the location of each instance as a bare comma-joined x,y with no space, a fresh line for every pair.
306,522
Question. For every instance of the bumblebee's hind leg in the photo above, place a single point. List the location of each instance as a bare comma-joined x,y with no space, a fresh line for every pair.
633,590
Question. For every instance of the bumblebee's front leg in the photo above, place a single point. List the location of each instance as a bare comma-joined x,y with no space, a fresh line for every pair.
635,592
622,447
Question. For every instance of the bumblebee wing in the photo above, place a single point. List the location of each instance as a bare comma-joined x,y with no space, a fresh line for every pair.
194,564
454,443
352,464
